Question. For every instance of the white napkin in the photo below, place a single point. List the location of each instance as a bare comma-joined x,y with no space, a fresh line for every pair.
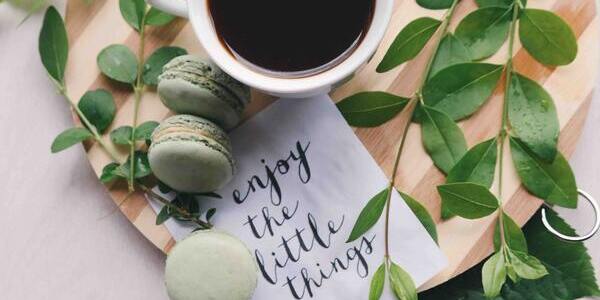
323,180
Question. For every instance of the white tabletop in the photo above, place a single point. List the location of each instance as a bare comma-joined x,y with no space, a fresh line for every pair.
62,237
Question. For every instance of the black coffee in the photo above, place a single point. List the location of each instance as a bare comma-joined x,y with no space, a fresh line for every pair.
291,36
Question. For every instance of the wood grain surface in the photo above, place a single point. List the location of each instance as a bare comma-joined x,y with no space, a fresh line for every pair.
465,242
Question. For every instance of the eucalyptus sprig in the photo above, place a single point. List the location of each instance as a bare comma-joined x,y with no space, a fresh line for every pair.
118,63
369,109
96,110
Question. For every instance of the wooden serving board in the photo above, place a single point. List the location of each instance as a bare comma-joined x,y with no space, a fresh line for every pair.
465,242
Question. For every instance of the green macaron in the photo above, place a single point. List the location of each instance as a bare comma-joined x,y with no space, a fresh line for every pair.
210,265
191,85
191,154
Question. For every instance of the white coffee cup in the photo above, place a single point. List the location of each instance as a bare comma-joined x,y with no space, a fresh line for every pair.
198,13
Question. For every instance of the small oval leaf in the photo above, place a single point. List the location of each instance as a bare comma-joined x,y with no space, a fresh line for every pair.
133,12
450,52
369,216
117,62
154,64
493,275
484,31
435,4
533,116
156,17
498,3
99,108
513,235
121,135
547,37
408,43
53,44
163,215
442,138
402,284
370,109
460,90
553,182
377,283
526,266
468,200
422,214
69,138
144,131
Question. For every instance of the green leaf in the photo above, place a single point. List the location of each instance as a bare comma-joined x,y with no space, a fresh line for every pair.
163,215
369,216
547,37
53,44
435,4
468,200
69,138
117,62
442,138
145,130
402,284
533,116
121,135
451,52
141,165
569,264
99,108
133,12
493,275
526,266
154,64
422,214
459,90
484,31
111,172
210,213
156,17
554,182
498,3
370,109
478,165
408,43
377,283
513,235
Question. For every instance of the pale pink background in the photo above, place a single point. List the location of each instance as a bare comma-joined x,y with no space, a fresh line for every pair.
60,237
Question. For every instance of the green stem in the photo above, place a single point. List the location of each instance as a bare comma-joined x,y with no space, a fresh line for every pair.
109,150
411,108
505,123
138,89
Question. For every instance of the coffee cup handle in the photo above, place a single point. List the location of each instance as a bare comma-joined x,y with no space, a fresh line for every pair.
174,7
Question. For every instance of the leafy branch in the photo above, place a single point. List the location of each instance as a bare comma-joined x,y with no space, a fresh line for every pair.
96,109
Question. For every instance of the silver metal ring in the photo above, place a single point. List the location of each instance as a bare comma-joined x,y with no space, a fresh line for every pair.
582,238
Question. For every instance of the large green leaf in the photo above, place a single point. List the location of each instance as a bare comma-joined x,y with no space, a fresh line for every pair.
53,44
450,52
133,12
370,109
468,200
533,116
369,215
408,43
118,63
402,284
442,138
422,214
554,182
99,108
478,165
156,17
69,138
547,37
570,267
459,90
377,283
435,4
484,31
155,63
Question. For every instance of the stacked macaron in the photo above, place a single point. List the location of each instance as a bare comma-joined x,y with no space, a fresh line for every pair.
190,152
